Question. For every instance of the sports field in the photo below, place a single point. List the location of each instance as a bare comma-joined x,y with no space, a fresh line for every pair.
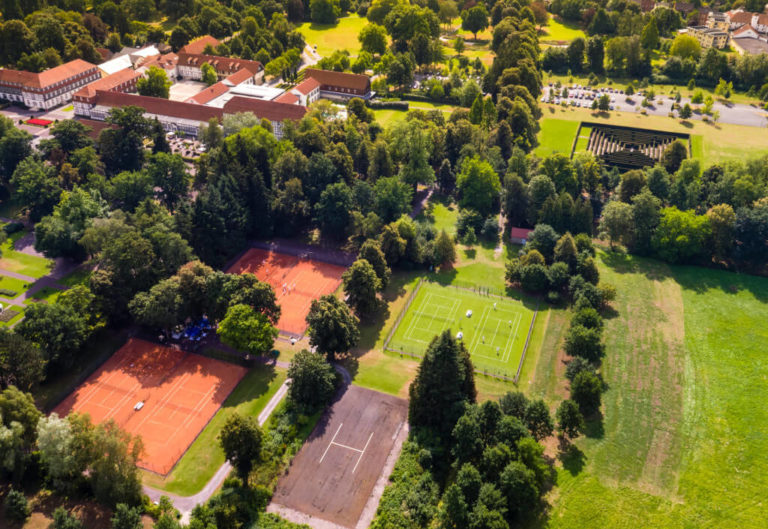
162,394
494,329
296,282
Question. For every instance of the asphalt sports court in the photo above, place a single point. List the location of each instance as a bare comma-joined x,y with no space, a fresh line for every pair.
180,393
296,282
494,333
334,473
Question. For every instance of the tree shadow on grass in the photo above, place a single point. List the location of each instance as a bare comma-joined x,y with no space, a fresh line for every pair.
593,426
571,457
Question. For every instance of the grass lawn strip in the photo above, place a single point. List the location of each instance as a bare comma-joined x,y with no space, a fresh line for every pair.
556,135
205,456
557,31
12,284
46,294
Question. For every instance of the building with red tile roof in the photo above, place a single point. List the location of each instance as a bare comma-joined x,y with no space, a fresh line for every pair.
199,45
47,89
307,91
288,97
122,81
340,85
519,235
189,66
209,94
187,117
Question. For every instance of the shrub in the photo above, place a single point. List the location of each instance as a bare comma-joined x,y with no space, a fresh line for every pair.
13,227
10,294
585,390
490,231
576,366
469,218
584,342
534,278
16,506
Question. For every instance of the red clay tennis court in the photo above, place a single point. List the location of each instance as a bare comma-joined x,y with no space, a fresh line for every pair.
180,393
296,282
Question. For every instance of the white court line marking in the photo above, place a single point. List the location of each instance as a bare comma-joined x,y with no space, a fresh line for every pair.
329,444
363,452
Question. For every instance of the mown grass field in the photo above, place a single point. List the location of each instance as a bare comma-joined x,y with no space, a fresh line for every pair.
684,433
710,143
558,31
332,37
555,135
22,263
204,457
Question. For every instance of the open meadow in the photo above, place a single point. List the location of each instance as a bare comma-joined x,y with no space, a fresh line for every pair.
327,38
684,434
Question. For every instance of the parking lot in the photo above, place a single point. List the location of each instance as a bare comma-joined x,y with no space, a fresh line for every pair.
576,95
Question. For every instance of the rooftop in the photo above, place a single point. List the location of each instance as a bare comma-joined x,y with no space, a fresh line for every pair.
307,85
223,65
752,46
199,45
48,77
209,94
346,80
107,83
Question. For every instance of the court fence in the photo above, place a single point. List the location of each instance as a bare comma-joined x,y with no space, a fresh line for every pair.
402,313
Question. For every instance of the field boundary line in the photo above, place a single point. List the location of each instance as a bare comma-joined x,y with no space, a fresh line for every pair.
402,313
527,341
575,140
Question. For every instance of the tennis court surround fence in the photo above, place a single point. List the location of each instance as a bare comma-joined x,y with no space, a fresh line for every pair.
407,350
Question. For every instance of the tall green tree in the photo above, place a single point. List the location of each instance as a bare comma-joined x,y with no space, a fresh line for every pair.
478,186
444,384
371,252
360,285
333,329
313,380
474,19
241,440
245,329
155,83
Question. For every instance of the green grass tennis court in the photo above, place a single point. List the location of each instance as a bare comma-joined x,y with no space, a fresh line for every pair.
494,332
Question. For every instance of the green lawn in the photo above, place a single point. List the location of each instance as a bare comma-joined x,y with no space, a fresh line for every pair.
583,140
79,276
685,433
712,143
555,135
22,263
441,214
204,457
332,37
557,31
13,284
47,294
386,117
